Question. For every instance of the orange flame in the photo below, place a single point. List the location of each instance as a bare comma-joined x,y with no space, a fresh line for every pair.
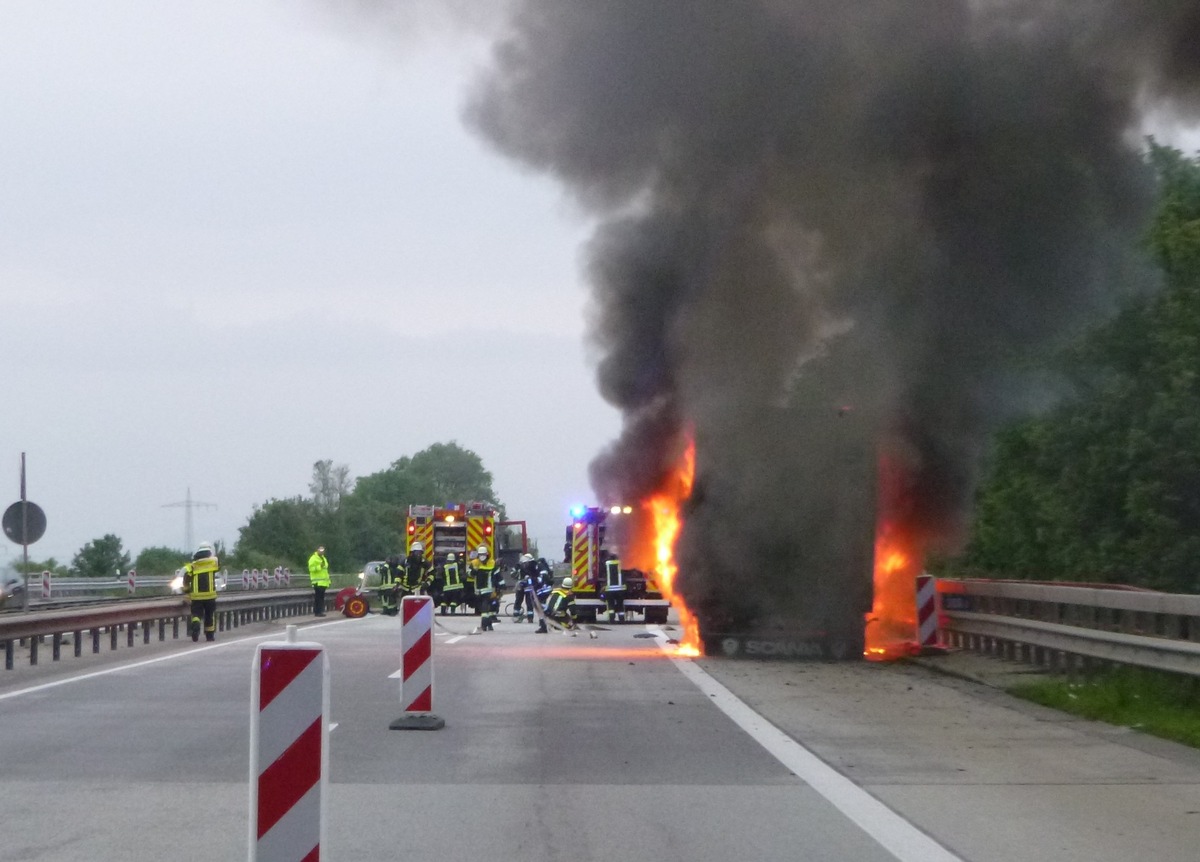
892,625
665,524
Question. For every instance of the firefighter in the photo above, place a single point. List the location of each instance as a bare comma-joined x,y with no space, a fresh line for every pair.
614,585
389,582
452,585
469,582
414,572
527,584
487,589
560,607
318,576
435,583
200,584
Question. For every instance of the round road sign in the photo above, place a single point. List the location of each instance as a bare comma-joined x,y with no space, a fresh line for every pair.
27,530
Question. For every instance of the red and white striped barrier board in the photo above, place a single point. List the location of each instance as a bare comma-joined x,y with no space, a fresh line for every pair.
132,581
245,579
46,584
416,665
289,752
927,633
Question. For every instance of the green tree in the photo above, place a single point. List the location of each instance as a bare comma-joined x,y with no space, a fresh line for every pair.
36,568
159,560
101,558
363,520
281,529
329,485
1107,487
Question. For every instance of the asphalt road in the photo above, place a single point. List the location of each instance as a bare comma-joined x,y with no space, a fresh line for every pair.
559,748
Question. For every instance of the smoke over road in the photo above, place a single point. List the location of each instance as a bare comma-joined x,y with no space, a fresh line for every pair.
877,204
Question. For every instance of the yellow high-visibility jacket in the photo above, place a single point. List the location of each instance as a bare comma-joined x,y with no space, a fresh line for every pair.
318,570
200,578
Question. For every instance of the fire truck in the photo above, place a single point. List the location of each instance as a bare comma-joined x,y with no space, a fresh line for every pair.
460,528
594,529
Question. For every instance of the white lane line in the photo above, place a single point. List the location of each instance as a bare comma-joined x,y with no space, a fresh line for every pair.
455,639
332,726
175,655
895,834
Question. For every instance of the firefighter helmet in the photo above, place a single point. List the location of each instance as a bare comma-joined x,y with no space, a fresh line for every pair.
482,551
203,552
526,558
419,547
567,583
450,557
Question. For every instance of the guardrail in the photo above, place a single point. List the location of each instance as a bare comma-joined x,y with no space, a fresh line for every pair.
151,617
1069,627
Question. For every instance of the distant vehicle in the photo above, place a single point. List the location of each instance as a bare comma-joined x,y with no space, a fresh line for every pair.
11,587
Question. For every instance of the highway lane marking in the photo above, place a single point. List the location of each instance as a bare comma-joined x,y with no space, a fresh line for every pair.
175,655
455,639
898,836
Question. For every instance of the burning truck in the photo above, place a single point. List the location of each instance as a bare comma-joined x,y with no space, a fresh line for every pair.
802,585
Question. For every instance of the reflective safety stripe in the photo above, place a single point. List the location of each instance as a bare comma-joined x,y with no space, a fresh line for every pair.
483,578
612,575
453,580
203,576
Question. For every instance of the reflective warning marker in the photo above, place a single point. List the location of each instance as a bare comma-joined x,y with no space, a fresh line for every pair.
289,752
416,666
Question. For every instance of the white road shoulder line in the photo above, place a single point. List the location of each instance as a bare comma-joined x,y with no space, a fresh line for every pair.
895,834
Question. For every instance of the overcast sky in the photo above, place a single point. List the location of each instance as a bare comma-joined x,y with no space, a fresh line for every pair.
240,236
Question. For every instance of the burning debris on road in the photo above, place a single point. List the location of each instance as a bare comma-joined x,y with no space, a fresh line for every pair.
827,231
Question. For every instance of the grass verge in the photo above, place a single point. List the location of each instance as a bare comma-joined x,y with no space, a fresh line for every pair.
1161,704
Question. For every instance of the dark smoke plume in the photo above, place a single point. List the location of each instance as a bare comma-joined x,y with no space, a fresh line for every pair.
830,225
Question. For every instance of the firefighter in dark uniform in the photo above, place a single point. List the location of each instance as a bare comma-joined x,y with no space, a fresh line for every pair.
414,572
389,581
452,585
527,584
469,582
200,584
614,585
487,589
560,607
435,583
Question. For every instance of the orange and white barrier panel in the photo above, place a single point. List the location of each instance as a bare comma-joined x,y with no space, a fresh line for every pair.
927,615
289,751
416,665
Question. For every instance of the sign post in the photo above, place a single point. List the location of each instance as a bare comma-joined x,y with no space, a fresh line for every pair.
24,523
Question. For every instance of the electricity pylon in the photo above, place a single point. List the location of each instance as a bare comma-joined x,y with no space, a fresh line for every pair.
188,505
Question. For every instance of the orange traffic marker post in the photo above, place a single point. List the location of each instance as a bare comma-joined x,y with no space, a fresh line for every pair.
416,666
289,751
